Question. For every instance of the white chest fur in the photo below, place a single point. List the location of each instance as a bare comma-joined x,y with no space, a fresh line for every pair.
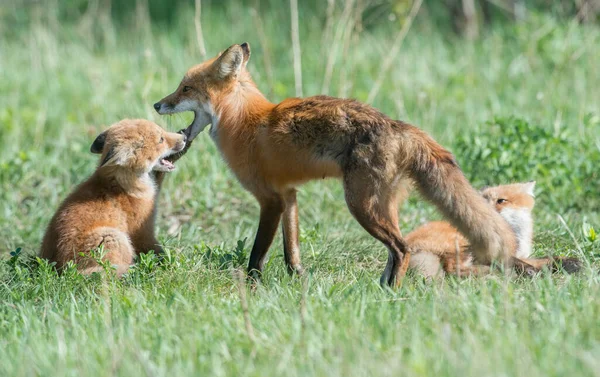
521,222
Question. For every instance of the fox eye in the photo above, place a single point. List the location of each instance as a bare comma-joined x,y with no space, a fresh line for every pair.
162,139
187,88
500,201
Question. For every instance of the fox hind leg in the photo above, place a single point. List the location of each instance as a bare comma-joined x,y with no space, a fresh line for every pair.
464,266
374,204
426,264
119,251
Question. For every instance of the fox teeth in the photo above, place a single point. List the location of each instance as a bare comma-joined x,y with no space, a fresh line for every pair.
168,164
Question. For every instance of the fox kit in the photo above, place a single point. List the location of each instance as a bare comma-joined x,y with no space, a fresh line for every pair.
115,207
438,248
273,148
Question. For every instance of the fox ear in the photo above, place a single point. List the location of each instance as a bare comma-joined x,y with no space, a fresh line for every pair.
529,187
246,49
98,144
230,63
107,160
115,156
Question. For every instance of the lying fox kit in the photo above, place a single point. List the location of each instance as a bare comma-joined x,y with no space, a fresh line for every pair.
273,148
116,207
435,245
515,202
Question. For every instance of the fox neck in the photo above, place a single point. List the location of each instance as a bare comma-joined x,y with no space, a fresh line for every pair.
521,222
138,184
245,106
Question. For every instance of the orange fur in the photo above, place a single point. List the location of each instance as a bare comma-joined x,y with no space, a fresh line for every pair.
273,148
439,248
116,206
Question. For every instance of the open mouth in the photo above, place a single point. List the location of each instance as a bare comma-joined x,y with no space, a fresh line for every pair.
187,131
189,128
200,121
164,165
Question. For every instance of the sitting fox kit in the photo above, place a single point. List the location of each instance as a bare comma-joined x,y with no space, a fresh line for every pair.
273,148
438,248
115,208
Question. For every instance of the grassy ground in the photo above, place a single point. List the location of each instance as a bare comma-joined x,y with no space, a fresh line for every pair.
63,83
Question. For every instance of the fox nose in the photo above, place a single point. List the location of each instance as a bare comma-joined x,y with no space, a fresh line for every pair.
157,106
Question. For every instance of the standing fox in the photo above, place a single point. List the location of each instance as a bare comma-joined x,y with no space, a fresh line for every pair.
438,248
115,207
273,148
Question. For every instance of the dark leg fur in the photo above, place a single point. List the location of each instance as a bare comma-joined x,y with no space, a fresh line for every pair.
270,215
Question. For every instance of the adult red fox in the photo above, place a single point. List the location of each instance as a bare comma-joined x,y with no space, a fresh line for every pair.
273,148
438,248
115,207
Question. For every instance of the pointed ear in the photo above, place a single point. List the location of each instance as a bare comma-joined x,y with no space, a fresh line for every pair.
246,49
529,187
115,156
98,144
230,63
107,160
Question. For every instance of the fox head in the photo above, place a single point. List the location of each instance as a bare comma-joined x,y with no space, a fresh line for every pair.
517,196
137,145
207,85
515,202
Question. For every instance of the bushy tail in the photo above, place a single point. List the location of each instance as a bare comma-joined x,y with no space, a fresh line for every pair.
440,180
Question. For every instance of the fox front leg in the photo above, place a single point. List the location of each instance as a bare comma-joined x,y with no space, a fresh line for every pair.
270,215
290,227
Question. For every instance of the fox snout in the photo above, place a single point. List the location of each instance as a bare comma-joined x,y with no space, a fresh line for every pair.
180,144
161,108
169,104
176,144
177,141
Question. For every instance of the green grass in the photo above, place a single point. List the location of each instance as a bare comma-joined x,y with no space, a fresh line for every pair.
64,82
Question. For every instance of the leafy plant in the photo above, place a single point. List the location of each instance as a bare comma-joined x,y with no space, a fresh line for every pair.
513,150
590,233
225,259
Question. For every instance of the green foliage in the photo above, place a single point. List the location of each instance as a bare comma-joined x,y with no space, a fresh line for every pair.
564,166
590,234
226,259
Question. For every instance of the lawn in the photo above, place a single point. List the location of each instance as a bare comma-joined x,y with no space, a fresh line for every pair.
521,102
